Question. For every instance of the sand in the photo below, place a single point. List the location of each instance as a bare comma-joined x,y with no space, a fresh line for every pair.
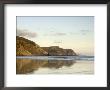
80,67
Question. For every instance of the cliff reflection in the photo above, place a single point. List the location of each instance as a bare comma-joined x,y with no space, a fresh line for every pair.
24,66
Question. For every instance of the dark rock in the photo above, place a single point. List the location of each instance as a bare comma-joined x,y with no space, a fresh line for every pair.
57,51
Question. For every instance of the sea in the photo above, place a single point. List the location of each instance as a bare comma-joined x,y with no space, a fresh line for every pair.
83,64
56,57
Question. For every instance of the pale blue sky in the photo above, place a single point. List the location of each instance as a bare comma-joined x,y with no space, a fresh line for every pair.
72,32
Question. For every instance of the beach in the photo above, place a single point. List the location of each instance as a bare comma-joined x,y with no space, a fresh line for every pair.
79,67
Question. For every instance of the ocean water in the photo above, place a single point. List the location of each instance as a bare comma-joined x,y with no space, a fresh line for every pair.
79,68
62,64
56,57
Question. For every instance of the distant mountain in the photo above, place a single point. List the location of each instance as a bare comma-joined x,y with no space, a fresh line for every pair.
25,47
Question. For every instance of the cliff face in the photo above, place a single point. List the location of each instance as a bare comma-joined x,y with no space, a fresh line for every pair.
69,52
26,47
57,51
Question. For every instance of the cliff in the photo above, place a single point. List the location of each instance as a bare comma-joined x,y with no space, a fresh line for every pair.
28,47
25,47
57,51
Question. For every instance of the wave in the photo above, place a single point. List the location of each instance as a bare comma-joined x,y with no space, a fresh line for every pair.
57,57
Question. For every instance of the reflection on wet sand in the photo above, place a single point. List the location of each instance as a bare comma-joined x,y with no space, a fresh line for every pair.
24,66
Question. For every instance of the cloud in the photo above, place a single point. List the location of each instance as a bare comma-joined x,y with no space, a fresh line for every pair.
26,33
57,41
73,33
52,33
59,34
84,32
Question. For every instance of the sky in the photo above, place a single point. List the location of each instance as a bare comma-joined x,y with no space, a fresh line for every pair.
69,32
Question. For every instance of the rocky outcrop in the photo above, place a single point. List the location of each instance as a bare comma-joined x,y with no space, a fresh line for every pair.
22,52
69,52
57,51
27,47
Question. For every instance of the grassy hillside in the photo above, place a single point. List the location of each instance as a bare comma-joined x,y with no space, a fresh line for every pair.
27,47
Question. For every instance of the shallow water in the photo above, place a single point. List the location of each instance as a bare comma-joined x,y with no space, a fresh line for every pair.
55,65
82,67
57,57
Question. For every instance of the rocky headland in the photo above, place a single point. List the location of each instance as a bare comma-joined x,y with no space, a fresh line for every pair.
25,47
57,51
